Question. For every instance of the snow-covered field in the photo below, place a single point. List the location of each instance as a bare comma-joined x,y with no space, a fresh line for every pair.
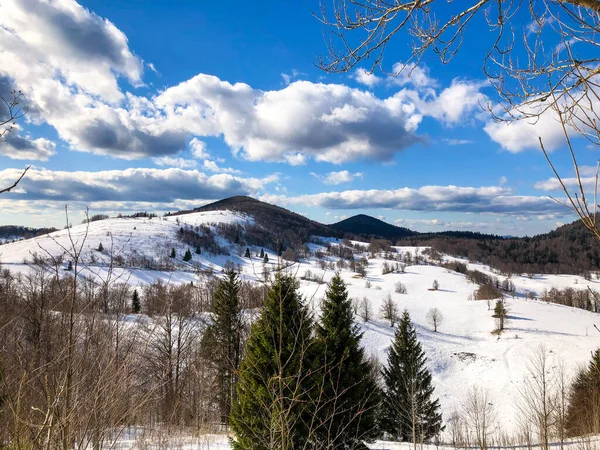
462,354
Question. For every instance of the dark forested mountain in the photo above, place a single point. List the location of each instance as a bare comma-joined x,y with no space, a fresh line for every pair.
274,226
363,225
17,232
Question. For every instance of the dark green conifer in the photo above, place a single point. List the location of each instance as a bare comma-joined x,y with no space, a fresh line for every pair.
409,413
198,250
136,305
247,254
188,255
262,253
100,247
349,393
222,340
274,404
173,253
266,258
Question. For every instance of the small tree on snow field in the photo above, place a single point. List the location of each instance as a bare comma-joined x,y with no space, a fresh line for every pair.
389,310
435,318
187,256
500,313
173,254
136,305
198,250
247,254
365,309
100,247
436,285
265,258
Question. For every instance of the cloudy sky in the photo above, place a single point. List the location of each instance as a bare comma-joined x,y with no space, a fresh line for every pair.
146,105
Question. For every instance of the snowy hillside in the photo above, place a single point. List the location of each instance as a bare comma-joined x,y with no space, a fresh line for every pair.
462,354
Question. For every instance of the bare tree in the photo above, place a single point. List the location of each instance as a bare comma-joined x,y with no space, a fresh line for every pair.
481,416
10,112
435,318
540,403
390,310
365,309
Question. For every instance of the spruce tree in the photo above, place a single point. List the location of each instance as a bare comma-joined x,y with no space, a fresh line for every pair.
223,340
583,412
349,392
136,305
100,247
173,253
247,254
262,253
266,258
188,255
273,405
198,250
409,413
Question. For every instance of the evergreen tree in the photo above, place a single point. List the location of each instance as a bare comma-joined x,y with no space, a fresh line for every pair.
188,255
100,247
583,412
272,409
198,250
349,392
262,253
136,305
173,253
266,258
408,413
223,340
70,266
500,313
247,254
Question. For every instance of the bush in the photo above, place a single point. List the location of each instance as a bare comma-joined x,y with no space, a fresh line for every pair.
400,288
487,292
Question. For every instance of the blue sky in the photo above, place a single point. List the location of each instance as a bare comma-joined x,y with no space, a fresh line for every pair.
147,105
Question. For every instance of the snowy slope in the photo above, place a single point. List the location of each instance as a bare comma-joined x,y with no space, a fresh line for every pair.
462,354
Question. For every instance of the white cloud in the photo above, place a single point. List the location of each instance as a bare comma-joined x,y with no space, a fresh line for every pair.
16,146
412,74
213,167
198,148
486,199
180,163
502,181
553,184
130,185
369,79
340,177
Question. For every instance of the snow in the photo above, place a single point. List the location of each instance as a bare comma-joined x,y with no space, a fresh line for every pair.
462,354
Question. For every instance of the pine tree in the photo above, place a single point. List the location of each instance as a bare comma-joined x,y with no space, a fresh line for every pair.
408,412
188,255
100,247
247,254
262,253
70,266
583,412
349,392
198,250
272,409
223,340
136,306
266,258
173,253
500,313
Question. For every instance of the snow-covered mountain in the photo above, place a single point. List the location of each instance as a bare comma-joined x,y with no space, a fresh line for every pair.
463,352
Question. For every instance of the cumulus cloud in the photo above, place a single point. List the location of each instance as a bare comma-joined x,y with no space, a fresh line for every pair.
327,122
553,184
340,177
365,77
457,141
132,185
19,147
198,148
416,75
214,167
437,224
68,39
487,199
